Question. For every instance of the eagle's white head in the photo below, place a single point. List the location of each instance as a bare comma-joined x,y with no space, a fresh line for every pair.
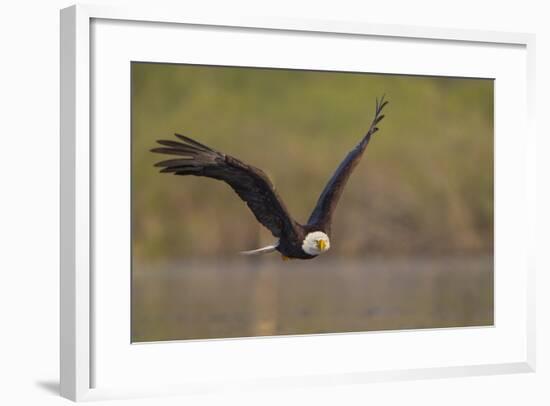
316,243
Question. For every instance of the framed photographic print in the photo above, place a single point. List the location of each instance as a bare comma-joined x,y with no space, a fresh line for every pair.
260,203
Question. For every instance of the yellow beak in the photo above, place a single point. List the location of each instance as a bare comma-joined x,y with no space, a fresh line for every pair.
322,245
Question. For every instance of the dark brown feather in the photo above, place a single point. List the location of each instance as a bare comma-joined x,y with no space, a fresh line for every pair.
321,216
250,183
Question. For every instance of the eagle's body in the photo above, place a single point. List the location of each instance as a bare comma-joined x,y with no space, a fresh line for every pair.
301,241
292,246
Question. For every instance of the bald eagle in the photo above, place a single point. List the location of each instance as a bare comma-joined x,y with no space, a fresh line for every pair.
294,240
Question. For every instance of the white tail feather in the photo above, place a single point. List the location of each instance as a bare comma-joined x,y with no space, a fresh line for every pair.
263,250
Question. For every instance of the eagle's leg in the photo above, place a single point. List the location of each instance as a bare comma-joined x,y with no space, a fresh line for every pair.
285,258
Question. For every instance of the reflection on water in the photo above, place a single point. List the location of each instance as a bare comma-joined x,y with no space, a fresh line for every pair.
266,296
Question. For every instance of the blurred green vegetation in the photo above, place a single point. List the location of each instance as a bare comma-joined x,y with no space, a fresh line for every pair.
424,186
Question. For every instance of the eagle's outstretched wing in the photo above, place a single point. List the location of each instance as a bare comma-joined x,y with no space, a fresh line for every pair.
251,184
322,214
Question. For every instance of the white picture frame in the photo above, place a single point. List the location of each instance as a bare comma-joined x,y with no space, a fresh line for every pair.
78,351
